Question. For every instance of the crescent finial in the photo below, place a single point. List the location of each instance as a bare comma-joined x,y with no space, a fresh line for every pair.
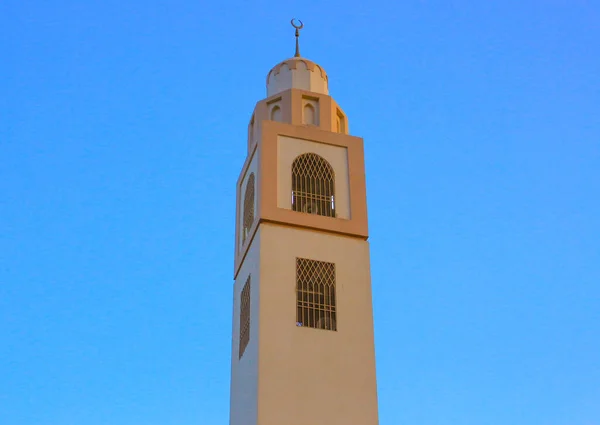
298,28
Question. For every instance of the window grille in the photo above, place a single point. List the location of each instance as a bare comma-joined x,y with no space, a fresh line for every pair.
248,217
313,185
315,294
245,317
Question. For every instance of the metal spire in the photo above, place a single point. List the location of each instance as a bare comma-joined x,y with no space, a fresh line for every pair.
298,28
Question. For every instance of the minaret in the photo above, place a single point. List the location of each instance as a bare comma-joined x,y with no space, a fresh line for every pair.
303,349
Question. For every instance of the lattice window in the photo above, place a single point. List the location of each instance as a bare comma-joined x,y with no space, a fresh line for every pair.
313,184
248,207
245,317
315,294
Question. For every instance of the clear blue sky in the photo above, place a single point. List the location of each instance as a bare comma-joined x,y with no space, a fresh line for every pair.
122,132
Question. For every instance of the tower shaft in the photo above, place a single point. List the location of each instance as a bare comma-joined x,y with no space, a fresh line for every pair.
303,345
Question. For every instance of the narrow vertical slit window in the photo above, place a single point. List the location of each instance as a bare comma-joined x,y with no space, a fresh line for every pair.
248,217
315,294
245,317
313,185
341,122
251,132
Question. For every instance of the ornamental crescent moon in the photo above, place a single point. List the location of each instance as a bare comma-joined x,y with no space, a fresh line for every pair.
295,26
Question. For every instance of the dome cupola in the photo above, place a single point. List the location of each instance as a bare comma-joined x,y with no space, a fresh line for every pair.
297,73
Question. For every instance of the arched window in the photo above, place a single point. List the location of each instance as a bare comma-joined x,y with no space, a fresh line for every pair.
276,113
309,114
313,184
248,216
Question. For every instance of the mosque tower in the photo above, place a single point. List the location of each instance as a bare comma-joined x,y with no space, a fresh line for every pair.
302,347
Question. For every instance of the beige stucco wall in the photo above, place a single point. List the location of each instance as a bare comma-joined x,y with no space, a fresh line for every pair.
312,376
244,371
289,148
252,168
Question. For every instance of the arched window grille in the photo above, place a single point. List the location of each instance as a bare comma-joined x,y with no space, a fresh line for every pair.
313,185
248,217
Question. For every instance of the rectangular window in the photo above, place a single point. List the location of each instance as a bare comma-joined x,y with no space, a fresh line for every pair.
315,294
245,317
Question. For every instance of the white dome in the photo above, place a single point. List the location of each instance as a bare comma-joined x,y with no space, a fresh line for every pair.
297,73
